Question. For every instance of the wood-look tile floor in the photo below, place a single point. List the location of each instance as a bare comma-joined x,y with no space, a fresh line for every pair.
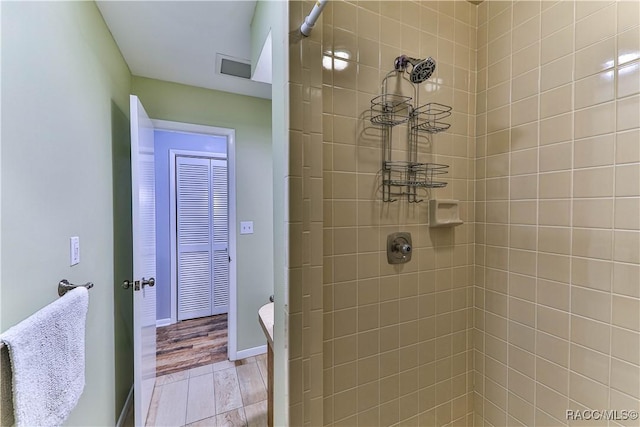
218,394
190,344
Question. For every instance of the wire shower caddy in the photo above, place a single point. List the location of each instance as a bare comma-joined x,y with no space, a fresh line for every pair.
404,178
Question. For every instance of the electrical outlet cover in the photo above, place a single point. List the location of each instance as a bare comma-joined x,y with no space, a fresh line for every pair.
246,227
74,250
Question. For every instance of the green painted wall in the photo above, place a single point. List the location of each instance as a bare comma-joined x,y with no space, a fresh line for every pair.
65,90
251,119
260,27
274,16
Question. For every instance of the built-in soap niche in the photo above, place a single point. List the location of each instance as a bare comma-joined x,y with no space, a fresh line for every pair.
444,213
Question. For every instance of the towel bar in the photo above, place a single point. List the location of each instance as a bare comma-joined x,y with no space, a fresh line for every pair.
64,286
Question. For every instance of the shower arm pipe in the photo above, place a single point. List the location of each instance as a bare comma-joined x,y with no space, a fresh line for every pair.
310,20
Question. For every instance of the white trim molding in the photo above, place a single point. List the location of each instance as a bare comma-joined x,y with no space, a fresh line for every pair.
164,322
250,352
128,406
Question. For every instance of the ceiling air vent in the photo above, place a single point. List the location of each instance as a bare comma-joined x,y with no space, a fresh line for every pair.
233,67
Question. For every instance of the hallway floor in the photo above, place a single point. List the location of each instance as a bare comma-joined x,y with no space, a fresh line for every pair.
218,394
191,343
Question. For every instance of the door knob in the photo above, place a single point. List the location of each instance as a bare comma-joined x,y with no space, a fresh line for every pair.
148,282
136,285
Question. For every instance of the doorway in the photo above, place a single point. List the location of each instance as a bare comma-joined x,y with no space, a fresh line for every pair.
183,152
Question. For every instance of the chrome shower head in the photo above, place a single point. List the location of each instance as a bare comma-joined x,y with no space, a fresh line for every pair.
421,70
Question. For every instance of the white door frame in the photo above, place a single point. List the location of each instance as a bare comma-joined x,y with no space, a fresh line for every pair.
230,135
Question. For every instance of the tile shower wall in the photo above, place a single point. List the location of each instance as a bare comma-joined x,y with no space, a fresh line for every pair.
305,216
557,303
396,339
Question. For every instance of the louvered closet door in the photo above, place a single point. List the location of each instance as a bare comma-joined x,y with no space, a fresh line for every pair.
193,178
220,238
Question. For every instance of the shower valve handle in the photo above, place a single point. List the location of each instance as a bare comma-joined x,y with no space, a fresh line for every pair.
403,248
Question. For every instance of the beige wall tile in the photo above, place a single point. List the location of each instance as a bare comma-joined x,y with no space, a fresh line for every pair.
555,212
523,111
556,129
556,157
554,322
523,187
595,120
553,376
591,334
525,136
557,45
628,45
592,243
553,267
552,348
526,33
625,345
625,377
627,246
589,363
597,213
590,303
625,279
523,237
499,48
525,59
555,73
584,10
595,27
628,80
628,15
522,336
554,240
556,185
627,180
594,89
627,148
556,101
524,162
520,380
591,273
553,294
522,311
587,392
626,312
628,113
556,17
597,182
595,58
521,286
552,404
596,151
523,11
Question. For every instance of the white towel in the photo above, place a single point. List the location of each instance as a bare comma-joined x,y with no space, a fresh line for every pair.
47,360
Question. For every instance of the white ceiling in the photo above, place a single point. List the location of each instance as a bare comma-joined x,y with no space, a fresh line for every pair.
179,41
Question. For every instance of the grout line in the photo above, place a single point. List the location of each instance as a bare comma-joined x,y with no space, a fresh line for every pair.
613,211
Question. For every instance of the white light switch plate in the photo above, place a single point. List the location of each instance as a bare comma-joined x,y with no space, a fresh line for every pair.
246,227
74,250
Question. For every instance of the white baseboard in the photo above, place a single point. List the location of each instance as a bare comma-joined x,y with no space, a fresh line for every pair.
126,408
250,352
163,322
